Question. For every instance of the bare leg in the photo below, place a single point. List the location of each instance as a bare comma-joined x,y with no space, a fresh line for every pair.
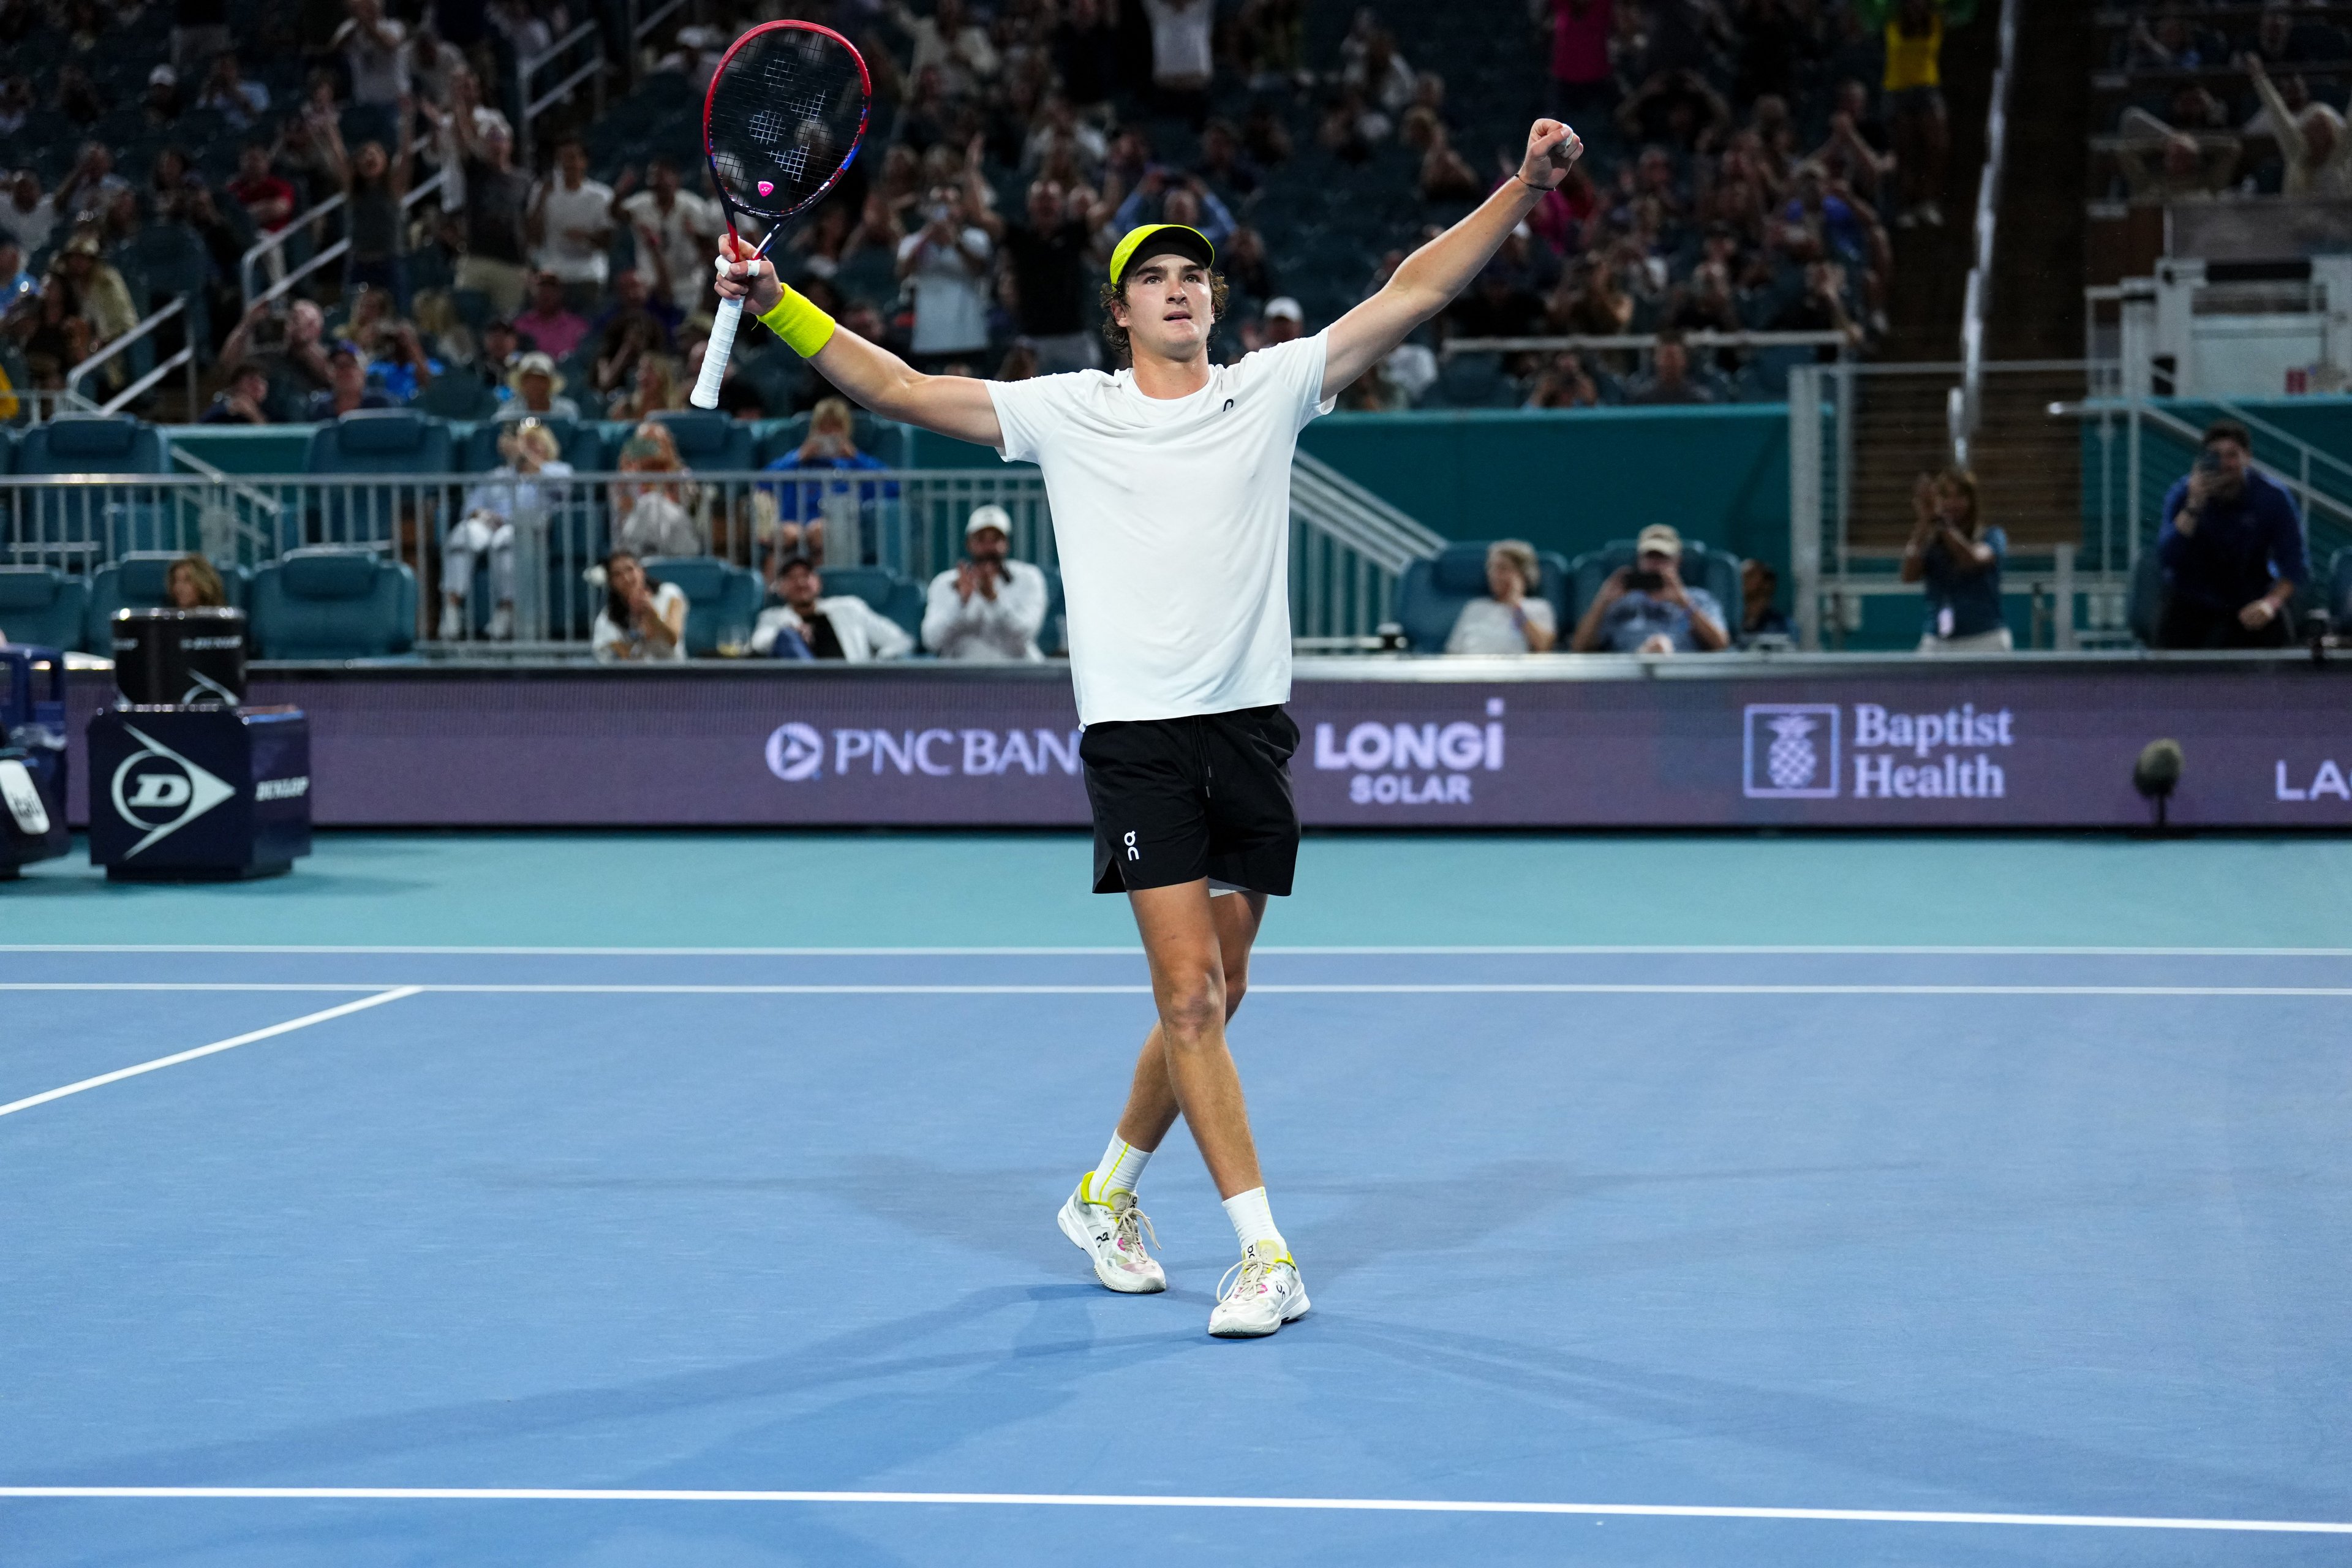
1198,948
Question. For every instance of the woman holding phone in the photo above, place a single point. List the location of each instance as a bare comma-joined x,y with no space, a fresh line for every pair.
1959,558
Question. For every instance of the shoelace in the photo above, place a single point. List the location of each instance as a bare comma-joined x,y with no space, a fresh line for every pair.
1254,1270
1130,1224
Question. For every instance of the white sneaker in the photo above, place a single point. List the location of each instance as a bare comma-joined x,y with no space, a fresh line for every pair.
1112,1235
1268,1294
501,627
452,619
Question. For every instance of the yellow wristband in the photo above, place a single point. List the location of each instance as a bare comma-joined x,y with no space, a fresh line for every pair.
804,327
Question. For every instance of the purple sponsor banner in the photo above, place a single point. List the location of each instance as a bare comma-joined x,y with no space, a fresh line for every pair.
1835,742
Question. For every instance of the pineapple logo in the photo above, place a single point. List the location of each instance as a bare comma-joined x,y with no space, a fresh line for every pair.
1784,752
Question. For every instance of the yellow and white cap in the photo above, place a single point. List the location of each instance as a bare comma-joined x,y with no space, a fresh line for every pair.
1163,237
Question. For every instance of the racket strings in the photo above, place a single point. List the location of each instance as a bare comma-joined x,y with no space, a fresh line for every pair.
783,116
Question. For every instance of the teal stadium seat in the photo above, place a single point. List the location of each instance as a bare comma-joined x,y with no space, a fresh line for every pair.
883,440
577,534
139,581
410,449
722,600
709,439
96,522
332,604
1716,571
42,605
898,597
1431,593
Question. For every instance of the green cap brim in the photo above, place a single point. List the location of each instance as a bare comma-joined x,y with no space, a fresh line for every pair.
1170,236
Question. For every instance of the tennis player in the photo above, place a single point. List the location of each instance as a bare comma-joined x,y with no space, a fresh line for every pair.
1169,483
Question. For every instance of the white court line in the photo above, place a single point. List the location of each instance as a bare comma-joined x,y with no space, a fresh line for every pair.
1072,1500
287,1027
1469,988
1596,950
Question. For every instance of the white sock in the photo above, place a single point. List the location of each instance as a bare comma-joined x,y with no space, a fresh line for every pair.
1121,1168
1253,1220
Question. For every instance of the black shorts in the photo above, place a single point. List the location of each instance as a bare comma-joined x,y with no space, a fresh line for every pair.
1176,800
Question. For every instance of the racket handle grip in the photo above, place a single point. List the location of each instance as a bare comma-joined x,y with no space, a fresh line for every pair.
714,356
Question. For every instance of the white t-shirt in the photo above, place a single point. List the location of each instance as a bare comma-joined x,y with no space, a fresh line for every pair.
1486,626
1180,39
379,75
1172,517
688,237
609,642
951,297
588,207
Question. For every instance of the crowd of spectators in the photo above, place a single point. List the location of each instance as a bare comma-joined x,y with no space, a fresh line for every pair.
2243,100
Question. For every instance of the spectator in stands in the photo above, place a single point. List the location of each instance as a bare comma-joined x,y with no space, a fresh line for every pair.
2232,548
375,221
191,584
536,389
375,48
641,620
946,264
1761,614
1224,164
27,217
1676,108
1047,256
845,627
2318,153
237,101
1564,383
266,199
550,325
1670,379
521,489
1914,30
951,42
90,185
244,400
1645,608
2187,168
1085,44
569,223
347,386
1858,140
1959,559
1446,174
163,100
77,98
1583,82
94,289
16,282
1821,308
16,103
675,230
1513,618
800,507
653,389
1181,63
986,606
496,196
652,518
401,368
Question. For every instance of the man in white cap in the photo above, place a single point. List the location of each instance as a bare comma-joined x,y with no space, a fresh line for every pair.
986,606
1645,608
1283,320
1170,488
537,391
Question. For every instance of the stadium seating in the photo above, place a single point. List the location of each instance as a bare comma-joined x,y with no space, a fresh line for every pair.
898,597
1716,571
722,600
709,439
581,444
140,580
2144,610
41,605
883,441
398,443
1431,593
332,604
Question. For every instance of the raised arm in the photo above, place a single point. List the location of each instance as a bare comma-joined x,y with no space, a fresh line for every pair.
1431,276
870,375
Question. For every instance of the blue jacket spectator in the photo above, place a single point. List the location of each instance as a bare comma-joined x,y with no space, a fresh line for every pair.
347,386
1959,559
2232,549
801,508
1645,608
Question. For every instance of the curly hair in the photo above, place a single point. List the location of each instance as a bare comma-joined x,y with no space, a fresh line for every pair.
1122,352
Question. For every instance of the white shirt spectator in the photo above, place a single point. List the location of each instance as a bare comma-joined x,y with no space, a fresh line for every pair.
687,235
656,525
1180,41
1488,626
588,207
611,642
979,627
950,293
379,70
865,632
964,59
30,230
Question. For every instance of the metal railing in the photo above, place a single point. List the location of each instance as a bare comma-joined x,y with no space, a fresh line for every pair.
1596,342
538,539
642,21
583,44
287,277
1965,406
184,361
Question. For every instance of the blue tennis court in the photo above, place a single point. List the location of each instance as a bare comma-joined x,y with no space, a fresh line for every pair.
1986,1243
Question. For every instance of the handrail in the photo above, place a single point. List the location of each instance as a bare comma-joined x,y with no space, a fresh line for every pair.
2312,498
588,31
277,239
1426,540
185,357
320,259
1708,339
641,26
261,501
1965,406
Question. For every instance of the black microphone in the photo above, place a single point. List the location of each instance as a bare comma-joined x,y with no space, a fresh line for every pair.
2156,774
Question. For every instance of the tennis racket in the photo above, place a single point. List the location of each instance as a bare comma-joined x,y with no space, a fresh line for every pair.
785,113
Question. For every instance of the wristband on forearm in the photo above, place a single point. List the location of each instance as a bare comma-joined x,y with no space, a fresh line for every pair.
804,327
